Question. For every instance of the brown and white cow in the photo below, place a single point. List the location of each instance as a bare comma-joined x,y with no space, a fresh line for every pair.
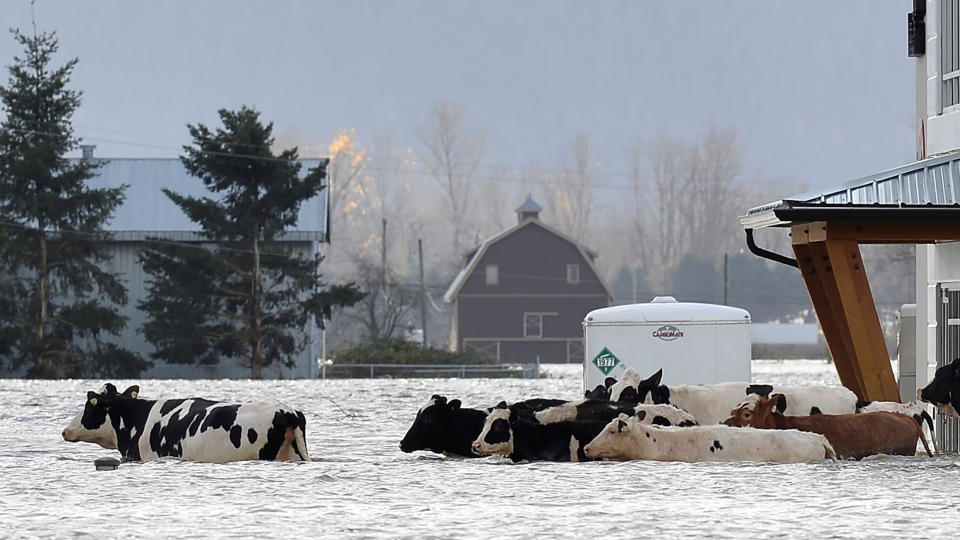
852,435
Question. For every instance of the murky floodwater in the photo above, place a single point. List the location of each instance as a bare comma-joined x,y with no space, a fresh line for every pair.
361,485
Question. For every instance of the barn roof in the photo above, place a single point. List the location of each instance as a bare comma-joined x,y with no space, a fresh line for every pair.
146,211
477,253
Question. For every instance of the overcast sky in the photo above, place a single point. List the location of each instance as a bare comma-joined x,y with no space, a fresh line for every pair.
819,92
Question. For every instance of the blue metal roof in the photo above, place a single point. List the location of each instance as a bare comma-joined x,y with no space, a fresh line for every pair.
147,210
927,188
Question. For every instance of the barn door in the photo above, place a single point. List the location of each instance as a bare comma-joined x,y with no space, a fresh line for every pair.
948,348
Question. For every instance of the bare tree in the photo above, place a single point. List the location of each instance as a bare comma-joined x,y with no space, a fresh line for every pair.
452,156
570,194
714,164
386,305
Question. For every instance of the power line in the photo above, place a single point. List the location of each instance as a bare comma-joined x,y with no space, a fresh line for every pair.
495,172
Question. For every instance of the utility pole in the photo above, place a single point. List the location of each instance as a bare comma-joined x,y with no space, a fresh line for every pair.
383,254
726,282
423,294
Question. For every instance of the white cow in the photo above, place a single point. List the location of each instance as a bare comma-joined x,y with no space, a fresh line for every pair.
712,403
626,438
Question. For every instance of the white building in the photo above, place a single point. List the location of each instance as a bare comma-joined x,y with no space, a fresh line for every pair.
918,202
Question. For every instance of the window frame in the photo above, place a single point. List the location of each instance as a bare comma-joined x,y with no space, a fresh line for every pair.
576,278
527,328
492,274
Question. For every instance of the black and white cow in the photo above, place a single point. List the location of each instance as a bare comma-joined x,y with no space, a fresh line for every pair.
445,427
584,410
601,391
944,390
505,433
604,411
193,429
712,403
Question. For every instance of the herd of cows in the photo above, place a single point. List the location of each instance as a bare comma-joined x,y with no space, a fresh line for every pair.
627,419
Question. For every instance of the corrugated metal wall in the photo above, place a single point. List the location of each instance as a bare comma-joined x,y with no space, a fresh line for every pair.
124,262
948,348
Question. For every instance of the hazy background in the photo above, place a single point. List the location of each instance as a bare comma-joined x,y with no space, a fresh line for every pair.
643,128
819,92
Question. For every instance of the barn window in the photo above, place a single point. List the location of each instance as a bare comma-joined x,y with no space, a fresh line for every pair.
493,274
533,325
573,274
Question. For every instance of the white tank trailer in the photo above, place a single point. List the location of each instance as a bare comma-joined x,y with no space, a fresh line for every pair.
693,343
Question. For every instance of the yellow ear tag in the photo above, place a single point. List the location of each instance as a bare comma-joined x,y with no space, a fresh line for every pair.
133,395
93,401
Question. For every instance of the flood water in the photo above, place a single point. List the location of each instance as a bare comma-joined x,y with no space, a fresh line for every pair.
360,484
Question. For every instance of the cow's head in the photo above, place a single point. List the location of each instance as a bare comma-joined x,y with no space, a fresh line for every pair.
431,424
607,444
758,411
650,390
496,436
93,423
601,391
944,390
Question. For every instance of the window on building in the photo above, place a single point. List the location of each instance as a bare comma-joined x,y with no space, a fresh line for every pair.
573,273
532,325
493,274
949,53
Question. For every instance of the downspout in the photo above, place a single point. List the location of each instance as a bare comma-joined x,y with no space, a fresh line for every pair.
760,252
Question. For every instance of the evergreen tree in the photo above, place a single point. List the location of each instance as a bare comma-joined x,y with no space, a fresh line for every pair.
242,295
57,301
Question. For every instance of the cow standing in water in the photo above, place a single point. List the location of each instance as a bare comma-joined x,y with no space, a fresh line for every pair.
852,435
194,429
711,403
944,390
445,427
627,438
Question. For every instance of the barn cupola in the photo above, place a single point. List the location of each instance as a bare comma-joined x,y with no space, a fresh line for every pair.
529,209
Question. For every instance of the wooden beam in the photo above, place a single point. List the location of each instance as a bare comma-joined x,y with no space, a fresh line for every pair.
860,313
814,266
885,232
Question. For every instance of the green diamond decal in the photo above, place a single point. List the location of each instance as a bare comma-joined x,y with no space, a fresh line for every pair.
605,361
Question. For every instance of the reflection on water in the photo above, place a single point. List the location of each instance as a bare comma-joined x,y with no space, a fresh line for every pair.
361,485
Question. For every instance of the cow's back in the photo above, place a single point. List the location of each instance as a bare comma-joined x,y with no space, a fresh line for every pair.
708,403
864,434
722,443
220,432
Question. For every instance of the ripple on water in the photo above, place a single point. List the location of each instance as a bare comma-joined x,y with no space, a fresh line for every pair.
359,483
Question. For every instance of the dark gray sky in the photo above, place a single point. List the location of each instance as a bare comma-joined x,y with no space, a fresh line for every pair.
819,92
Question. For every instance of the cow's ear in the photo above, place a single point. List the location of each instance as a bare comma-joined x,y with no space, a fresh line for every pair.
502,405
454,404
654,379
780,403
93,398
621,425
132,392
440,400
609,381
641,415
